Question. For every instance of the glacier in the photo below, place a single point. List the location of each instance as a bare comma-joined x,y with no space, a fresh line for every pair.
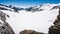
39,21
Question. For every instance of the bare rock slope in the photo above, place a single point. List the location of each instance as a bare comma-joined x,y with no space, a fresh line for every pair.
4,26
55,29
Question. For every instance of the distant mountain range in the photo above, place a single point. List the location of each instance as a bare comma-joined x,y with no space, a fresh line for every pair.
33,9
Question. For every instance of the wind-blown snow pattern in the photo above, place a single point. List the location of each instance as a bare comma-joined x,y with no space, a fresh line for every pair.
39,21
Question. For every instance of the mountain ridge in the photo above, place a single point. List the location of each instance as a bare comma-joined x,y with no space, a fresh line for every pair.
32,9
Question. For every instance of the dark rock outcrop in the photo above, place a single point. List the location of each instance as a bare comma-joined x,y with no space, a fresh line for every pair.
4,26
3,8
10,8
30,32
55,29
33,9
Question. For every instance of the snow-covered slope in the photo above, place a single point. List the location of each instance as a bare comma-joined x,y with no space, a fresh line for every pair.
39,20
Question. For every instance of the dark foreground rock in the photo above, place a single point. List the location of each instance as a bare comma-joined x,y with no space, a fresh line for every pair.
55,29
30,32
4,26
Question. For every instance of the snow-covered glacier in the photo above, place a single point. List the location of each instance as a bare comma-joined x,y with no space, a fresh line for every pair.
39,21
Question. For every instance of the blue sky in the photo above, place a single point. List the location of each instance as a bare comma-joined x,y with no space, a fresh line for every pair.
27,2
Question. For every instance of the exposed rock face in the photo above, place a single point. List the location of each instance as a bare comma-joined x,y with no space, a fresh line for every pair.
4,26
30,32
55,29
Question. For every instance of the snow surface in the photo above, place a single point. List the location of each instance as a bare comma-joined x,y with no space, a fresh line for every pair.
38,21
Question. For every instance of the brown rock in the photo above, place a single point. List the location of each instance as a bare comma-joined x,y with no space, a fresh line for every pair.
30,32
55,29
